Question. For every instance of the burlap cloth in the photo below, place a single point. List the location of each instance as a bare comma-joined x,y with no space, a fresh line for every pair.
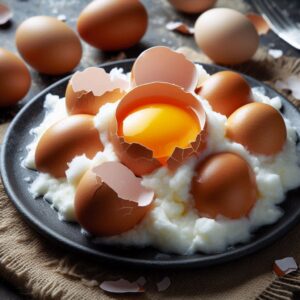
42,270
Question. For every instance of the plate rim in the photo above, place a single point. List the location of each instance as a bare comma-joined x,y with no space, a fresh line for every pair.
211,259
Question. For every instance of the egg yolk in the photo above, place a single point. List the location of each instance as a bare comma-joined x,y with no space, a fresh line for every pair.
161,128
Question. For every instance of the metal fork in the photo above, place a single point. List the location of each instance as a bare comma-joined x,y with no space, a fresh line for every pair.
280,23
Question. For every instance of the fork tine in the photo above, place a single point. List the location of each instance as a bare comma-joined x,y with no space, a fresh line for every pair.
267,14
278,14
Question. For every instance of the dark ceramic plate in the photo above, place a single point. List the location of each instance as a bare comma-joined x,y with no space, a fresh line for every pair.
39,214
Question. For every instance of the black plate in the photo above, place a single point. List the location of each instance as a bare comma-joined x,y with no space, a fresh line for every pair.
39,214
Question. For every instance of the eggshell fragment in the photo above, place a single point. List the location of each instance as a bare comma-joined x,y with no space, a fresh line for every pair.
112,25
110,200
161,64
48,45
225,91
192,6
259,23
88,90
136,156
225,185
121,286
180,27
259,127
15,78
164,284
70,137
226,36
285,266
5,14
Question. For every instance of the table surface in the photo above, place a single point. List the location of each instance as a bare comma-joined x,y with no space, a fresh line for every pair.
160,12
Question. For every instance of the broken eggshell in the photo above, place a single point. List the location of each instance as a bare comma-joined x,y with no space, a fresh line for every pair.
285,266
180,27
5,14
161,64
110,200
260,24
88,90
136,156
121,286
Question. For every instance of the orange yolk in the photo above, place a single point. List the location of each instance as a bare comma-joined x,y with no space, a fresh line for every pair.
161,128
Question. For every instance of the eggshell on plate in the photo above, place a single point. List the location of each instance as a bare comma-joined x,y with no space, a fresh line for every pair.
259,127
161,64
136,156
225,91
88,90
110,200
112,25
192,6
226,36
48,45
224,185
15,78
69,137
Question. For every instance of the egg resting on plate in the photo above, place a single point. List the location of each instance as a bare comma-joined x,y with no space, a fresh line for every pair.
201,191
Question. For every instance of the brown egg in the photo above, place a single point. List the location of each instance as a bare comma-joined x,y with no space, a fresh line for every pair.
88,90
259,127
161,64
110,200
15,79
225,91
192,6
72,136
48,45
225,185
112,25
226,36
158,124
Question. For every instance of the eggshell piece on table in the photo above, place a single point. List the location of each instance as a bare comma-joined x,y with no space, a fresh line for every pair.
5,14
225,91
88,90
226,36
110,200
121,286
48,45
285,266
192,6
224,185
260,24
161,64
135,154
259,127
180,27
69,137
15,78
112,25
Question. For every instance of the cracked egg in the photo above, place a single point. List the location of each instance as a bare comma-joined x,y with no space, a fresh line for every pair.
158,124
161,64
88,90
111,200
